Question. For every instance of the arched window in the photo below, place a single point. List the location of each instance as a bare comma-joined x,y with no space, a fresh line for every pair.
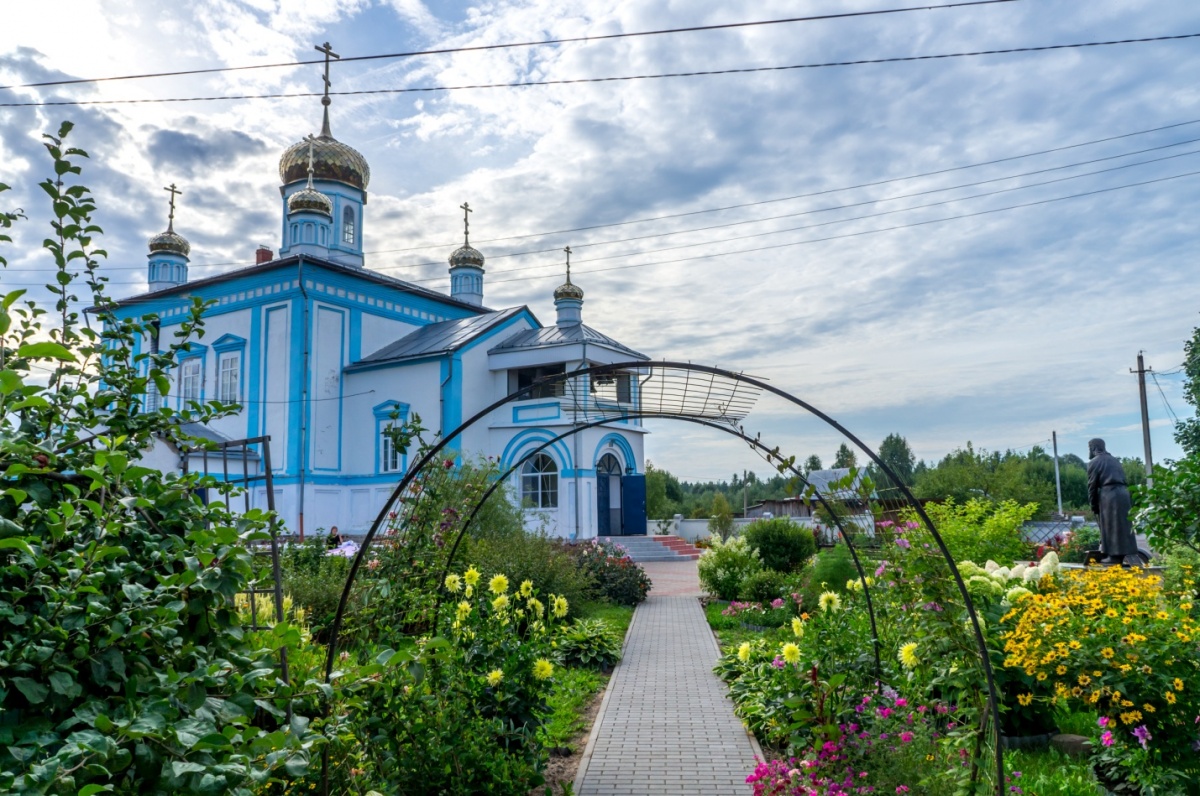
348,226
539,483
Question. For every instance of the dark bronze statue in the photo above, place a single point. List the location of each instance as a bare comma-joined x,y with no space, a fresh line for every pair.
1109,496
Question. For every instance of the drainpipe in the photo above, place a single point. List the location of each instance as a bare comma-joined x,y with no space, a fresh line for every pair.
303,392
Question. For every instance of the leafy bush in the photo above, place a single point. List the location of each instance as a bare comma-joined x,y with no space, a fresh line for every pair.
314,581
617,577
830,571
764,586
979,530
725,565
1081,541
1169,510
125,667
720,524
536,558
589,642
782,544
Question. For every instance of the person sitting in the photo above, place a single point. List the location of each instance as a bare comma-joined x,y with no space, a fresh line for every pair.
334,539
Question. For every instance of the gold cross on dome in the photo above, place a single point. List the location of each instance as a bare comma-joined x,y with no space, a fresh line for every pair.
171,216
466,208
329,53
568,251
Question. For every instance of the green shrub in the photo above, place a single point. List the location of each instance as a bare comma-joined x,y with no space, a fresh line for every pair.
590,643
829,572
764,586
725,565
315,581
979,530
533,557
1083,539
617,577
782,544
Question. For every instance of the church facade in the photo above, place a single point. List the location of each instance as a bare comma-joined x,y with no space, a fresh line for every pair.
324,355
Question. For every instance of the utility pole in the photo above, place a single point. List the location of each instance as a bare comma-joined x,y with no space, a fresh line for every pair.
745,504
1057,480
1141,372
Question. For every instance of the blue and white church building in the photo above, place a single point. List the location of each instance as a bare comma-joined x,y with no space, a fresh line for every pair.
323,354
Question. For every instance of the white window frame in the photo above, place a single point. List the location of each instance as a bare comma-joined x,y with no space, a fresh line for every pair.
229,364
191,380
391,458
539,482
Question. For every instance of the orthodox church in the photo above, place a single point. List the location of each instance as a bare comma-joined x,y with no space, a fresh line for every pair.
324,355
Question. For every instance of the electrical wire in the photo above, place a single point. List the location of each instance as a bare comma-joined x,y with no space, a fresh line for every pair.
611,79
511,45
1166,403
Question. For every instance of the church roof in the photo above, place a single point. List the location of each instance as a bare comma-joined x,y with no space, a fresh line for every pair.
361,273
437,338
562,335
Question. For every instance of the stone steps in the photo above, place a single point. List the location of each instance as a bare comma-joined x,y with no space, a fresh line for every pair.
655,548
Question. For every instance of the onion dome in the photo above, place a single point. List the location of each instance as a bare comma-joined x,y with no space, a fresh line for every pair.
170,241
466,255
332,160
310,199
568,290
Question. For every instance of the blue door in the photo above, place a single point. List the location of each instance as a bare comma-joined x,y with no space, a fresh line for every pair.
603,521
633,504
609,486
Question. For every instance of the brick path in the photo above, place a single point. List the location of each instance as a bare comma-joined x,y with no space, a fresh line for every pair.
666,725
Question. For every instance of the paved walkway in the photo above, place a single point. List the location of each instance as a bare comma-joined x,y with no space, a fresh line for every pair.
666,725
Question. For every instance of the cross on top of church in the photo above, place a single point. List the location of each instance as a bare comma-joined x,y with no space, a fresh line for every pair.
171,216
466,208
567,249
329,53
310,138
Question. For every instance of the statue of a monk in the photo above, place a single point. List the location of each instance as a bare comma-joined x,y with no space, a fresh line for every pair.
1110,500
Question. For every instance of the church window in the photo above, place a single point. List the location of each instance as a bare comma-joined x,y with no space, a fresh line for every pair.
390,418
348,226
391,458
190,376
618,387
539,483
229,373
524,377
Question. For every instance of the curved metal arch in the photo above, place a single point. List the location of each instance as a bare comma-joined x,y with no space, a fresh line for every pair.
756,443
640,365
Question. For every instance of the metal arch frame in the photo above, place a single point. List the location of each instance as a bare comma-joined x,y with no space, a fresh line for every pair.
755,443
609,369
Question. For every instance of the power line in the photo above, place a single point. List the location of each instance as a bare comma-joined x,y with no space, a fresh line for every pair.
511,45
814,240
611,79
1166,403
807,212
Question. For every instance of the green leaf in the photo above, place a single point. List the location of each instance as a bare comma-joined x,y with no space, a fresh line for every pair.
46,350
181,767
34,691
91,790
63,683
16,544
10,381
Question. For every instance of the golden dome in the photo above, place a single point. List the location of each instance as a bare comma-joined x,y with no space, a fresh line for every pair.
170,241
332,160
466,255
310,199
568,291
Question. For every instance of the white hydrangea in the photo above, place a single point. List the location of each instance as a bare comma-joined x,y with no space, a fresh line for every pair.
991,566
1018,572
1031,575
1001,574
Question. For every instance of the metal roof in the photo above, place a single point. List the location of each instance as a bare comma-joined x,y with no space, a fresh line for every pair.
352,270
201,431
437,338
562,335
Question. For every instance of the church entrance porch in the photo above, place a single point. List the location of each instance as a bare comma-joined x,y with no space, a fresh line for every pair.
620,500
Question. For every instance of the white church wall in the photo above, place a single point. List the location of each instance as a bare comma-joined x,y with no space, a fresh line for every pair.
329,351
378,332
275,378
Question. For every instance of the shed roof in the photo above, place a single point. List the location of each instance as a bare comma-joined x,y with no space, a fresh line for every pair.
562,335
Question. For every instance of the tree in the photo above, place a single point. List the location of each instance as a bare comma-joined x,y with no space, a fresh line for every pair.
897,455
721,521
812,464
1187,432
660,504
844,457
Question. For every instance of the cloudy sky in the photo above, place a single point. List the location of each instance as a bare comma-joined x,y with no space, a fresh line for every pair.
895,243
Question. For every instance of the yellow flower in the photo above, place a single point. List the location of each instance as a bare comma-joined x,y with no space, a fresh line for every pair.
453,582
1060,670
498,584
791,653
1107,653
1148,707
1178,684
1041,676
469,591
1073,644
471,576
500,603
1170,697
1084,679
494,677
526,588
908,655
560,607
535,606
464,610
830,601
1025,699
797,627
744,651
542,669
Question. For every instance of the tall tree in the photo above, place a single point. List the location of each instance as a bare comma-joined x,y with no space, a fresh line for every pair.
1187,432
812,463
844,457
898,456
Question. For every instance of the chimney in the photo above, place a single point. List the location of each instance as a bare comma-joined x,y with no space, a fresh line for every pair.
263,255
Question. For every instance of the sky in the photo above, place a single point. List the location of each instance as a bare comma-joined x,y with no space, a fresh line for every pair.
893,243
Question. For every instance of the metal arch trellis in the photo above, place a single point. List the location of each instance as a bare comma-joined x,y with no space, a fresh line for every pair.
727,398
736,431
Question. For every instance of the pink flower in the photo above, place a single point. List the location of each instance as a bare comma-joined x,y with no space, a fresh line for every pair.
1102,721
901,789
901,702
1107,738
903,543
906,736
1142,734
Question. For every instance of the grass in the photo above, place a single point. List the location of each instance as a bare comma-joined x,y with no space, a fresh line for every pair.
617,617
573,692
1048,772
729,630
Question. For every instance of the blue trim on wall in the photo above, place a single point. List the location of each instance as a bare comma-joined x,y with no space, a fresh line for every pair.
622,444
518,410
253,393
451,388
532,438
355,335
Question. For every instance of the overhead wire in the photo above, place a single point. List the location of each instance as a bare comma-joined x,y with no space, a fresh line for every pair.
1166,403
610,79
511,45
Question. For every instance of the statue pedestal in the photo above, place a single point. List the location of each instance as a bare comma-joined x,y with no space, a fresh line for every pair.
1139,559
